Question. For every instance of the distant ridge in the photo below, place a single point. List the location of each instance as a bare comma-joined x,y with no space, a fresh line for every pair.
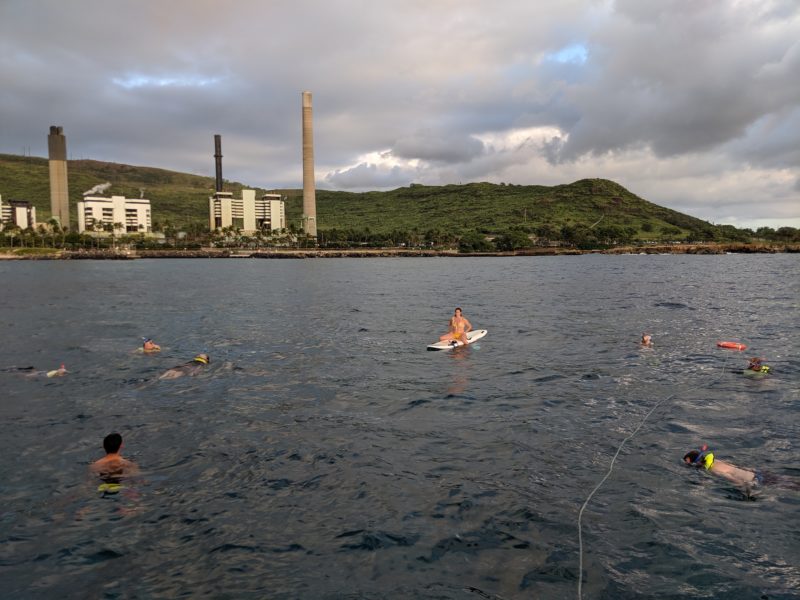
488,208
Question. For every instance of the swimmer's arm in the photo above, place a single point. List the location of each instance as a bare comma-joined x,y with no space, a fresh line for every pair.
469,325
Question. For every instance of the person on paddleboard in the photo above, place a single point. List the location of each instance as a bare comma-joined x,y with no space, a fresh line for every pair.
459,327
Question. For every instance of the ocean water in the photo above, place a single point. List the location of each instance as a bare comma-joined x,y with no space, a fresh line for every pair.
325,454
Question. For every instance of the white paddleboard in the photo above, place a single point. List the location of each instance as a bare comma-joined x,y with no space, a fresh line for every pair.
472,336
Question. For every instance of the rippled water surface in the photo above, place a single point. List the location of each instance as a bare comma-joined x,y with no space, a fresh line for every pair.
325,454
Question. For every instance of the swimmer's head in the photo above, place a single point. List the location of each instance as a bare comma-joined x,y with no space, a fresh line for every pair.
690,457
202,358
59,372
646,338
699,458
112,443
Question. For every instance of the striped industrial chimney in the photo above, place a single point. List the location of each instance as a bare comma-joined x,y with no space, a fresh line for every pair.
309,196
59,192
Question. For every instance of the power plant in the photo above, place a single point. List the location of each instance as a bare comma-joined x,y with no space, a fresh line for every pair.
247,214
309,196
59,192
223,208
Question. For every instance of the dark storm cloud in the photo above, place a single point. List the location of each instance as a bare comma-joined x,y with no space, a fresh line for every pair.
438,147
682,77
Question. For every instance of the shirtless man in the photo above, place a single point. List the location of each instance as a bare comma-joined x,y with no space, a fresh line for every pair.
113,468
745,478
190,368
459,327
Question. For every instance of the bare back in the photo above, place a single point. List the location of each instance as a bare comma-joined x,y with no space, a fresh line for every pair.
113,467
732,473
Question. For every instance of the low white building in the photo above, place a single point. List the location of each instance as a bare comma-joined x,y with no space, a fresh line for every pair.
131,214
17,212
248,213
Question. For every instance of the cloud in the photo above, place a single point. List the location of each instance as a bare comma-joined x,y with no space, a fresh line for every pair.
134,81
370,176
574,53
687,102
682,78
438,147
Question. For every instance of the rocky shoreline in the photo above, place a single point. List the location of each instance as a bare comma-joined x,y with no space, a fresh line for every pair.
283,253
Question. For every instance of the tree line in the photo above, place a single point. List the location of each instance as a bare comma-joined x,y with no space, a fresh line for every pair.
198,235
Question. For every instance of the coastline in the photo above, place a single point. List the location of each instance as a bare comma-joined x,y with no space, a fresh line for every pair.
293,253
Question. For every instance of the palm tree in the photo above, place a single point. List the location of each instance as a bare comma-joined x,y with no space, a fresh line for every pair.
55,227
41,232
12,231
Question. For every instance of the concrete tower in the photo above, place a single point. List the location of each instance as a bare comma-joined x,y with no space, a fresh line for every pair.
218,160
309,196
59,192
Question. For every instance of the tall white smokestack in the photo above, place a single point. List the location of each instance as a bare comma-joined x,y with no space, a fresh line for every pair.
59,191
309,194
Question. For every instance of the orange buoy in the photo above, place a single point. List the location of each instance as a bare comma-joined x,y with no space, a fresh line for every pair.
732,345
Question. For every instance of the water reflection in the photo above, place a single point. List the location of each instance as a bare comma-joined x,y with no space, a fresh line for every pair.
460,367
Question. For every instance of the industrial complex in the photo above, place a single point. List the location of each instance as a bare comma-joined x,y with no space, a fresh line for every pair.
98,214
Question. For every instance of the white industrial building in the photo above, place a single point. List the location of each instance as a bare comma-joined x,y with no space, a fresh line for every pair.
248,213
132,214
17,212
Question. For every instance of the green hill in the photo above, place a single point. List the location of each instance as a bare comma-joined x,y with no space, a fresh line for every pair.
487,208
177,197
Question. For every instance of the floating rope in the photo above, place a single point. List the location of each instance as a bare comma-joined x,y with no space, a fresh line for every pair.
597,487
610,469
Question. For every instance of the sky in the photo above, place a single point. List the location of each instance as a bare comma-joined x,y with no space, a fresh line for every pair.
691,104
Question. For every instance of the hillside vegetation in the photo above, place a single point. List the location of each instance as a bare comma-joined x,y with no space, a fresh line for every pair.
586,211
180,198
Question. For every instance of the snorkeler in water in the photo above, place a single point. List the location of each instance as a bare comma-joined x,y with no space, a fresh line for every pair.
32,373
149,345
190,368
59,372
113,468
756,364
747,479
